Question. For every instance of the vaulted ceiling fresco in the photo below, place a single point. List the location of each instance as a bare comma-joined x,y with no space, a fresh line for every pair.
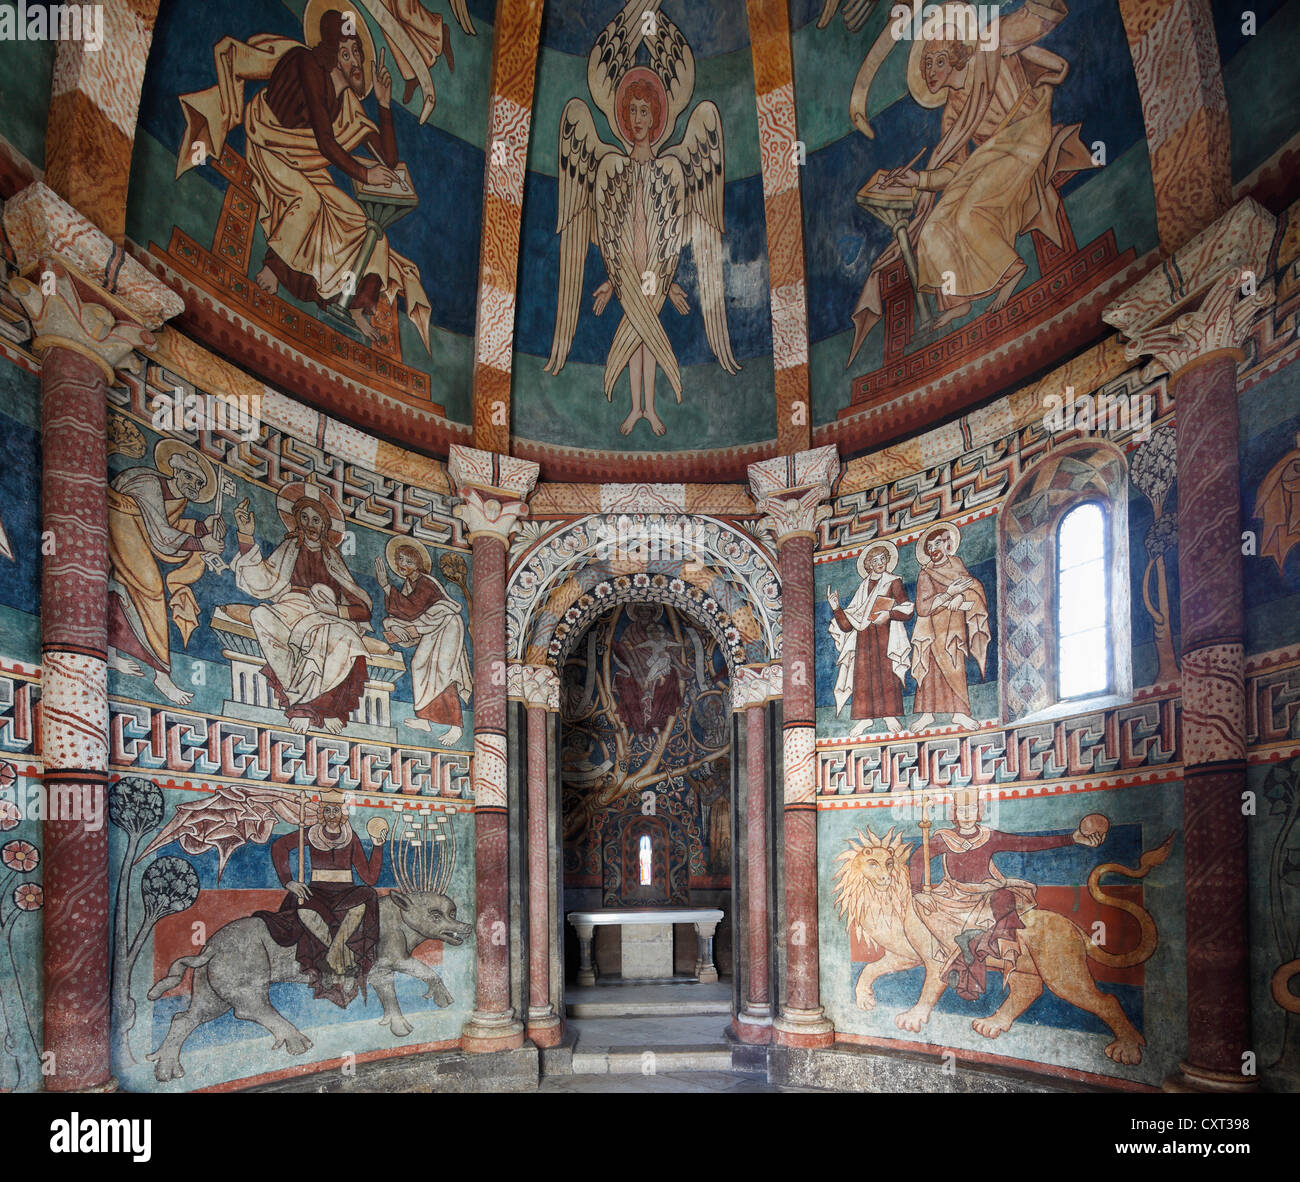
665,239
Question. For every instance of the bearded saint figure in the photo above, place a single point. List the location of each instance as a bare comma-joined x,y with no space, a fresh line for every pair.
952,623
312,618
308,119
331,921
147,530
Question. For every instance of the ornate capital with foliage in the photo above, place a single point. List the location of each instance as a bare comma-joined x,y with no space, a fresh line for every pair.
534,685
789,491
756,685
1204,299
68,313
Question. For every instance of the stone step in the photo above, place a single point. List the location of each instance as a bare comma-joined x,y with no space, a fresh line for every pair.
659,1060
649,1008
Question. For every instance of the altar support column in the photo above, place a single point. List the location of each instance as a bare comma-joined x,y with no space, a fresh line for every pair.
491,489
790,491
83,334
1201,348
750,693
540,691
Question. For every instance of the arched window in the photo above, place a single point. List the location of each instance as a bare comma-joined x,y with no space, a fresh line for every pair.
1063,584
643,851
1083,633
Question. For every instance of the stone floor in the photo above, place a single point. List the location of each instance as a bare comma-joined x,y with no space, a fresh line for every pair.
677,1081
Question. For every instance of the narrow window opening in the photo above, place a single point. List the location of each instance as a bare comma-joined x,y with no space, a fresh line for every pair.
1083,665
644,855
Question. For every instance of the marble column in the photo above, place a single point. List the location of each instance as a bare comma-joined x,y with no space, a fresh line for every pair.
539,690
82,335
491,488
790,492
1196,336
753,688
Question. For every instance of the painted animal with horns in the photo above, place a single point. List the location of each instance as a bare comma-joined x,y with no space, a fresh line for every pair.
873,892
640,202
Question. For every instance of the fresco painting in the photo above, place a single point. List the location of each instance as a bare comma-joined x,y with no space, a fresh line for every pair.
646,718
964,922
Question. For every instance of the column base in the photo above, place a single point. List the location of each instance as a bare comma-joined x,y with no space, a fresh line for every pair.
544,1027
707,973
1201,1079
485,1033
753,1025
803,1028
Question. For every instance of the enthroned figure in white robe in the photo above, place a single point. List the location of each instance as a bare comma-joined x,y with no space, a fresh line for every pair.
312,618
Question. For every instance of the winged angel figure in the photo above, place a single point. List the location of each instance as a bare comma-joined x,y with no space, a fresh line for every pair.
640,202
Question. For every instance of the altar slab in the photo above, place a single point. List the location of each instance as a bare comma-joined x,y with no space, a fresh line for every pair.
652,950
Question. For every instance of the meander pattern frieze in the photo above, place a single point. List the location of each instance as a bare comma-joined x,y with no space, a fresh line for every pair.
276,457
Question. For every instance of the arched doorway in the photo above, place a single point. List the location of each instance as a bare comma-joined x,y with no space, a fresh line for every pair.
721,582
645,780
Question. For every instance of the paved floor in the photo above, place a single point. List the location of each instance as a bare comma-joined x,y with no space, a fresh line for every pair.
650,1031
685,1081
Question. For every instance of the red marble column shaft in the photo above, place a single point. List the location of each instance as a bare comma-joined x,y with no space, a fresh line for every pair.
491,844
1212,633
802,985
544,1026
74,605
756,838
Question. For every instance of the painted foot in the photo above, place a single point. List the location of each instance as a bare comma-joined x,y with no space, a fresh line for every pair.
864,998
952,314
120,663
1126,1051
299,724
892,724
362,321
335,725
1008,289
965,721
922,722
267,281
452,734
656,423
861,727
171,691
913,1019
417,724
625,427
437,993
989,1027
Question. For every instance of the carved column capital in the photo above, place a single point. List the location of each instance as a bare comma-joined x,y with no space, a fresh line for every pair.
1203,300
42,228
534,685
485,515
756,685
789,491
68,313
493,490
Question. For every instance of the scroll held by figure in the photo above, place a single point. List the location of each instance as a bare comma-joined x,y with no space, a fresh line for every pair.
640,202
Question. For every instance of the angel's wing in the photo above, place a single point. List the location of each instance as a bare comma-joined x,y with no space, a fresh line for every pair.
641,286
460,10
855,13
581,151
671,58
701,157
615,49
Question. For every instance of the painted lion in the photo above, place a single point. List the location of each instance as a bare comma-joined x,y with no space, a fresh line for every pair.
873,892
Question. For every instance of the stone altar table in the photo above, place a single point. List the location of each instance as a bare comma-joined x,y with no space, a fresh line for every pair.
653,952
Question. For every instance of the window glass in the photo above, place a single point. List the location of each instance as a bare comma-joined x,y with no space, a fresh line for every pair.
1083,604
